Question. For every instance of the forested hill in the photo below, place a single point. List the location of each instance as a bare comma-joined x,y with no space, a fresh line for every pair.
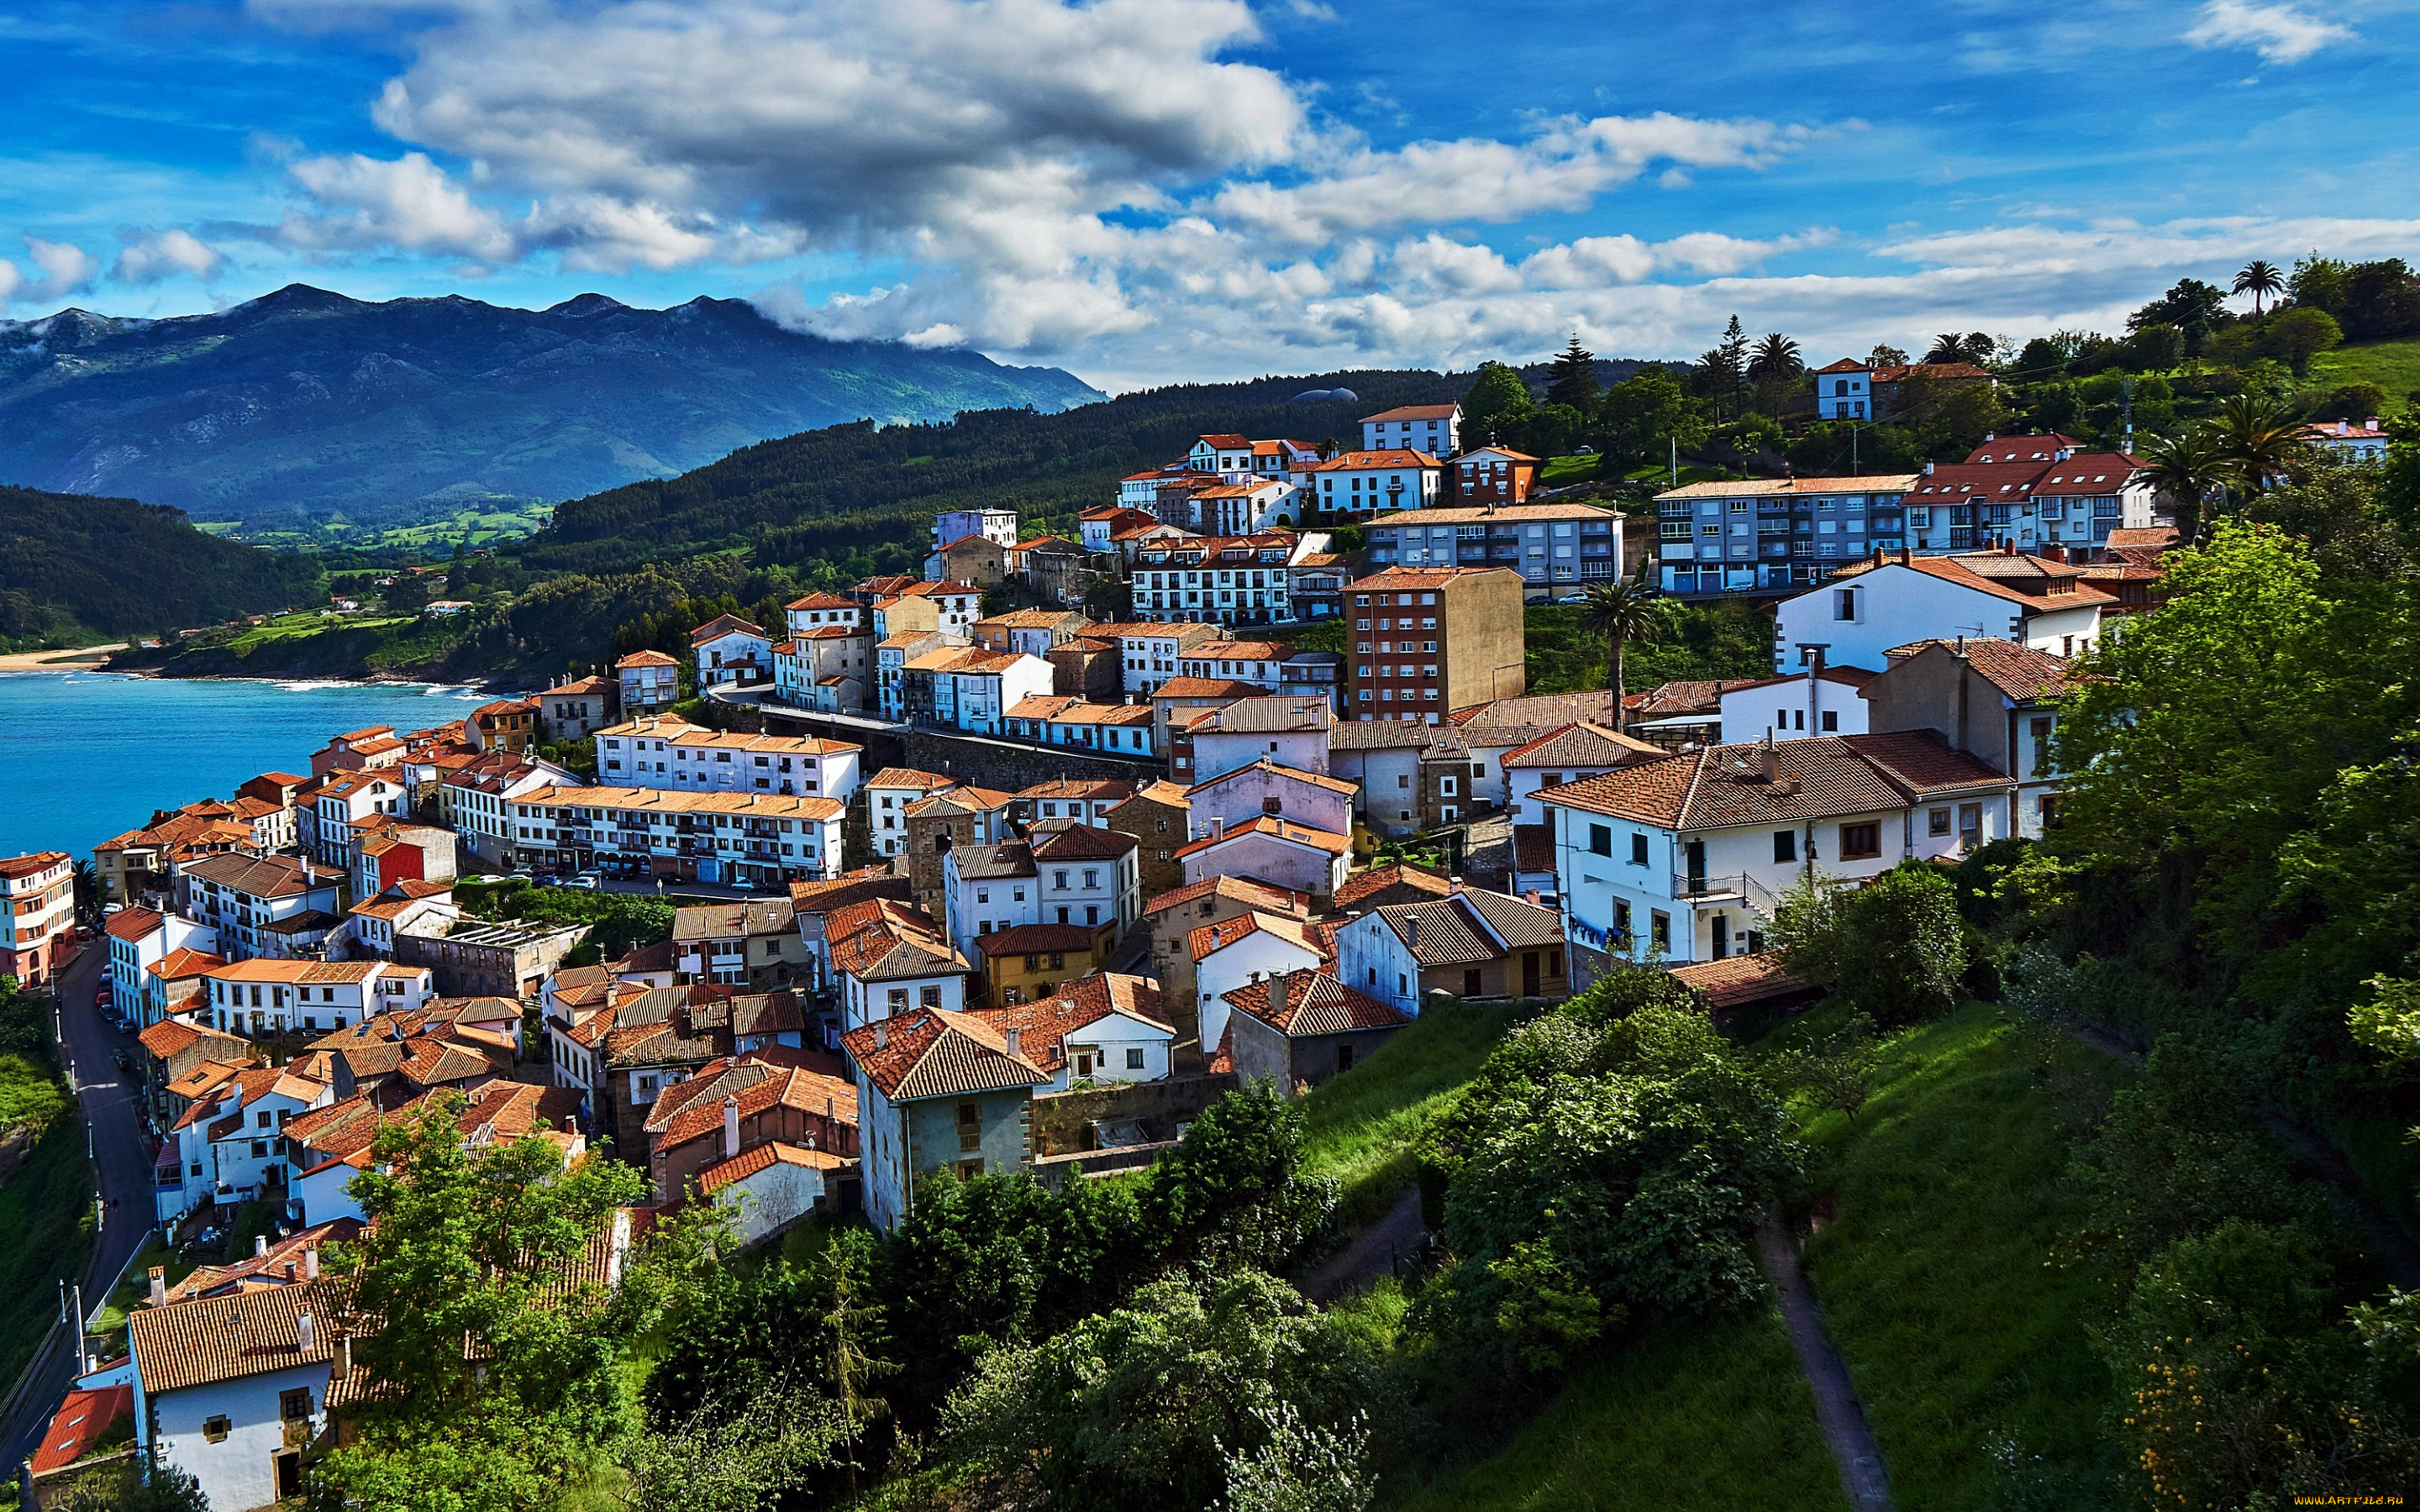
69,563
860,485
307,406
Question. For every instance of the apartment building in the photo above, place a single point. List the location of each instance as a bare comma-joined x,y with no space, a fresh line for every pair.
1433,429
1771,535
1555,547
39,895
740,838
648,681
1221,580
1377,481
259,905
260,997
667,752
1429,641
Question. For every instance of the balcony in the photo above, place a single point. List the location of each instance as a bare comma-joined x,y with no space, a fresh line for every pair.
1736,887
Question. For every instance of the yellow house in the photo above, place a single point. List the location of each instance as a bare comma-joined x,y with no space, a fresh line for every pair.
1025,962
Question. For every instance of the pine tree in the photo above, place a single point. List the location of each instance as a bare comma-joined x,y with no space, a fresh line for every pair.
1571,380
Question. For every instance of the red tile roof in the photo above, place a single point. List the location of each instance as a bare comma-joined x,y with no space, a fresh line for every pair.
1740,979
936,1052
1315,1003
80,1422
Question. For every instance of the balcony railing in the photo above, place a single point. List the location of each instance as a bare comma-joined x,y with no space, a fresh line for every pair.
1710,888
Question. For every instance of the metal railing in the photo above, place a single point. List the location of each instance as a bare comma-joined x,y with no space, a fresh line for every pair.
1708,888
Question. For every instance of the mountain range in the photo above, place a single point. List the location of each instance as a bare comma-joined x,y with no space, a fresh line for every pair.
304,406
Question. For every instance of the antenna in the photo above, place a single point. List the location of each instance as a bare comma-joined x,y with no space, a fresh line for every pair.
2126,393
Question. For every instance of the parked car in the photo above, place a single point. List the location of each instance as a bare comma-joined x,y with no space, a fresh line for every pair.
586,881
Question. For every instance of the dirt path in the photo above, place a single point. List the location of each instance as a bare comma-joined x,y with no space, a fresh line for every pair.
1370,1254
1863,1478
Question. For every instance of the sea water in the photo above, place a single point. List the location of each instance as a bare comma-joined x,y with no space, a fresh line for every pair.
85,756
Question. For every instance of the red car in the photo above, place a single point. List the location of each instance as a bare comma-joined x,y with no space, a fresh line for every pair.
100,998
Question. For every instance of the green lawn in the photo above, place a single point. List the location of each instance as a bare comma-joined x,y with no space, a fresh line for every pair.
1714,1416
1935,1274
1362,1127
1561,472
2393,366
45,1235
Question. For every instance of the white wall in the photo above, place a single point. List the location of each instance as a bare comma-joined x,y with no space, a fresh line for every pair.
1109,1039
1895,604
763,1204
1788,711
1217,755
1238,800
1255,956
1371,959
1267,859
239,1472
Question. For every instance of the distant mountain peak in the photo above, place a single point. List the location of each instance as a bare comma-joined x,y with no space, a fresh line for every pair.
300,297
587,304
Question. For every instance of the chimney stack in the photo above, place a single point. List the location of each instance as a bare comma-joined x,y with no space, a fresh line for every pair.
311,1263
1768,762
1412,932
730,1128
1278,987
306,1336
344,1357
259,1245
1016,1037
158,1287
882,1034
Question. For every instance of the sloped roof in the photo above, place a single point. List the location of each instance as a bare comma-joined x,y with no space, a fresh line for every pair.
1826,775
1245,890
2020,672
1740,979
1273,767
764,1157
1206,939
1520,923
1317,1004
1581,746
1043,1025
210,1339
1439,933
1379,879
1272,826
936,1052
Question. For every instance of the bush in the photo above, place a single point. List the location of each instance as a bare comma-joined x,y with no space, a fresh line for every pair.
1895,948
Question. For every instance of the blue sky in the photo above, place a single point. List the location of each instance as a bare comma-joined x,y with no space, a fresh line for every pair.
1152,189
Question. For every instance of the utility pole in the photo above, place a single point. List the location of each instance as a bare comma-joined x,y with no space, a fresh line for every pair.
2126,391
1676,460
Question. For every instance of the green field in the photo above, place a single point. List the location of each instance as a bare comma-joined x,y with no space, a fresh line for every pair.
46,1212
2393,366
1936,1275
1716,1416
1563,471
1363,1128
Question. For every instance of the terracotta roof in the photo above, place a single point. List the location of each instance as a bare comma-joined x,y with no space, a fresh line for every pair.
1275,828
1088,790
935,1053
884,939
1533,848
1581,746
708,922
908,777
269,1269
1207,939
210,1339
1263,715
1245,890
133,922
1740,979
1669,700
1416,412
262,876
1765,487
647,659
1537,711
1080,842
965,800
851,888
764,1157
170,1038
1043,1025
1377,734
2019,670
1394,874
1199,688
82,1419
2020,579
691,1109
1035,939
1317,1004
723,625
1824,776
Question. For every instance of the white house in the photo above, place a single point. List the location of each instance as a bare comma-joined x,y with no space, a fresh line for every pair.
759,837
991,524
1247,793
233,1389
990,683
1684,859
139,939
959,605
1237,952
889,795
1433,429
350,798
1376,481
2365,442
891,959
478,801
263,996
1099,1029
2032,492
649,681
1066,873
1248,507
230,1146
730,650
250,902
1997,702
1291,732
1825,703
1559,756
1148,651
406,908
1275,851
1880,601
1844,390
936,1090
667,752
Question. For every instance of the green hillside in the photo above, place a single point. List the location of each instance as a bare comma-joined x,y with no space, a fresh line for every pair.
2393,366
73,565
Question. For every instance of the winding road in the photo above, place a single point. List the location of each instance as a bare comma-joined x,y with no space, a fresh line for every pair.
113,1112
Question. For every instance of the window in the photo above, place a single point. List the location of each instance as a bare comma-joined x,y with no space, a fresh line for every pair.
1937,822
898,999
1133,1059
970,1126
1831,721
1601,839
1659,930
1860,843
1844,603
1785,845
215,1428
294,1406
1638,850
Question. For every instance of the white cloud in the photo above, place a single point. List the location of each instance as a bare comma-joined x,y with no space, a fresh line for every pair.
10,281
409,204
151,255
66,268
2279,33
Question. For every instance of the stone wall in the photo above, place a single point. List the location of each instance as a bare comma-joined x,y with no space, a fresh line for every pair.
1063,1121
1010,767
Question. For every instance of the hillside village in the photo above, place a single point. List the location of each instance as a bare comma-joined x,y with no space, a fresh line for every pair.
971,880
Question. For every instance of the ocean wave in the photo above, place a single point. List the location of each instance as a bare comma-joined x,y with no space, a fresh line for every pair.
312,685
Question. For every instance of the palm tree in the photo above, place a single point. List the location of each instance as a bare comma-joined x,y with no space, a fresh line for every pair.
1624,611
1775,357
2260,279
2190,469
2259,439
1949,346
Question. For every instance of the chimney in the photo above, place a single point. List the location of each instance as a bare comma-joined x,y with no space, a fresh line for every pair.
2370,423
1906,554
311,1263
1412,932
1769,763
1278,986
1016,1037
1928,470
306,1337
158,1287
293,1271
344,1357
882,1034
730,1128
259,1245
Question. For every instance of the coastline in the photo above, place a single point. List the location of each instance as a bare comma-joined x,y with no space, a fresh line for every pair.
74,660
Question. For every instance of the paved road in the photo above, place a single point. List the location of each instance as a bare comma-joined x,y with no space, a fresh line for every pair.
122,1161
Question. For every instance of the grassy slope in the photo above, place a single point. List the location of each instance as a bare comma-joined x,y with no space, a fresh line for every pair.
1966,1340
2393,366
46,1212
1362,1127
1714,1417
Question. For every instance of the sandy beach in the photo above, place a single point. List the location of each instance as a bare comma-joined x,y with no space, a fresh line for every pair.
36,661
